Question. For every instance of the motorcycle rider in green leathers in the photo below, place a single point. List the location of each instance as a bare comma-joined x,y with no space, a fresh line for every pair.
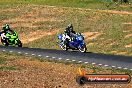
6,28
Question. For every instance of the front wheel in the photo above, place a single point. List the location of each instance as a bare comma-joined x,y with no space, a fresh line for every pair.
83,48
19,43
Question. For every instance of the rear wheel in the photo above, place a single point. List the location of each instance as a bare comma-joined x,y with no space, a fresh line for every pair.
4,42
19,43
63,46
83,48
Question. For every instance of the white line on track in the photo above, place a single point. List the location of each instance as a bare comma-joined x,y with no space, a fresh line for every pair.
93,63
99,64
119,67
106,65
79,61
47,56
33,54
113,66
73,60
125,68
59,58
85,62
10,51
4,50
67,59
19,52
53,57
39,55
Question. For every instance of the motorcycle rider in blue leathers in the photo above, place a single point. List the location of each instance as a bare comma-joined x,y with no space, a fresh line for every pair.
69,32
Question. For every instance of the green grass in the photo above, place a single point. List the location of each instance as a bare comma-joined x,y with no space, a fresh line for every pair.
5,68
5,58
93,4
45,42
48,24
53,2
2,60
111,25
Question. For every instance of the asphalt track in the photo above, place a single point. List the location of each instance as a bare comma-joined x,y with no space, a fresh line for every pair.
114,61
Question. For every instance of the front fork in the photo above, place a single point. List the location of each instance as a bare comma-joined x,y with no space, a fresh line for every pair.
81,45
16,41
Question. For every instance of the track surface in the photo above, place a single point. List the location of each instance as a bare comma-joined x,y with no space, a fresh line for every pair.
115,61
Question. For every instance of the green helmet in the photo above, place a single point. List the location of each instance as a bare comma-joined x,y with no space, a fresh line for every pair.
6,27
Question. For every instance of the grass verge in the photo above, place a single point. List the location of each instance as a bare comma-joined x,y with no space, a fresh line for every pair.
93,4
95,69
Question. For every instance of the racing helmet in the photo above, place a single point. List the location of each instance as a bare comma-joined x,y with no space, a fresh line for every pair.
70,27
79,34
6,27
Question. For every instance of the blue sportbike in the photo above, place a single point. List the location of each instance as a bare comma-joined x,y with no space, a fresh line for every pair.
76,42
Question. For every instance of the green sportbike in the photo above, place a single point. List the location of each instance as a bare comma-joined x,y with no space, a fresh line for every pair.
11,38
